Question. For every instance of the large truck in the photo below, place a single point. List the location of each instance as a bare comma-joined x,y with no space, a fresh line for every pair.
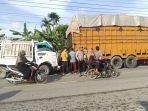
122,38
40,52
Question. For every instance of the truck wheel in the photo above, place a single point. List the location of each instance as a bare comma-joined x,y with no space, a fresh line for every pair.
2,73
131,62
45,68
117,62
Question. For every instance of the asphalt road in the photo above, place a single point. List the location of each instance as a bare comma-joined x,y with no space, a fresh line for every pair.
129,87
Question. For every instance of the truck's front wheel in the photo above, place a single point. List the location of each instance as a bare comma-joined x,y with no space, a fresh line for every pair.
45,68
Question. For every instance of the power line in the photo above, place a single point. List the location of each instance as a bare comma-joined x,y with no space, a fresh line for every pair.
74,6
34,16
45,7
8,13
71,9
109,1
78,3
18,21
21,20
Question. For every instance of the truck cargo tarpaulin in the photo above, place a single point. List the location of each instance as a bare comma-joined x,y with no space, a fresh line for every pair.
122,39
105,20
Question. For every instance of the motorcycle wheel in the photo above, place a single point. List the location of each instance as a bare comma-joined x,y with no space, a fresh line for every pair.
105,74
13,76
41,78
114,73
92,74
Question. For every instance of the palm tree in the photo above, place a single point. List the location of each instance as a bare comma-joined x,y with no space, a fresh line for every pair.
53,33
54,18
50,22
47,25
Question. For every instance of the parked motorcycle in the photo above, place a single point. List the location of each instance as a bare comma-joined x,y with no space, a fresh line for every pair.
14,76
104,70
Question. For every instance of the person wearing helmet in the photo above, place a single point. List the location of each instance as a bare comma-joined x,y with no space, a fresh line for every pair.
21,64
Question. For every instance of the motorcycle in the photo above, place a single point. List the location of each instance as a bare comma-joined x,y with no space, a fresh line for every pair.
14,76
103,69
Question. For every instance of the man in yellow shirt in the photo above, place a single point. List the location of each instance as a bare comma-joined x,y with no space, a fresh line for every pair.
64,57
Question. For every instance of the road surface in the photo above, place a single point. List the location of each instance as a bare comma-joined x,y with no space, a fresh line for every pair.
63,93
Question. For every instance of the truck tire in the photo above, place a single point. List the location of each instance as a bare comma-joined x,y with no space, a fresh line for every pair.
117,62
2,73
46,68
131,62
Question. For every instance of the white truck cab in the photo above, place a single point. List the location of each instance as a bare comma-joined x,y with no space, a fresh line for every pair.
45,56
40,52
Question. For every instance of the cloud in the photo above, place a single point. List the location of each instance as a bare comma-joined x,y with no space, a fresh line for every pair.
140,8
82,10
16,25
41,11
54,6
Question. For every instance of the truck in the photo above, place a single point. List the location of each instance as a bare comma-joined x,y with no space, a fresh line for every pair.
42,53
123,39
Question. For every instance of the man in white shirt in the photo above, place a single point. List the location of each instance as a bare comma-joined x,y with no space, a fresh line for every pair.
80,59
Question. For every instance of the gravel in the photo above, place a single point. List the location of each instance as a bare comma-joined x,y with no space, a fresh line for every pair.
131,100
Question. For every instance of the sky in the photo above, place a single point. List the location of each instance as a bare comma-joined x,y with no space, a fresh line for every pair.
15,12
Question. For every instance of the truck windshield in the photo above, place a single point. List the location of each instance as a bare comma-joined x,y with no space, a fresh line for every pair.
43,48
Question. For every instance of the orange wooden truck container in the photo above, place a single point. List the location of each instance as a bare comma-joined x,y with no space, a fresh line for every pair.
123,39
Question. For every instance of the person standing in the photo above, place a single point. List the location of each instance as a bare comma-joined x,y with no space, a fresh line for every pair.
85,51
64,57
97,54
98,58
90,57
72,55
85,54
80,59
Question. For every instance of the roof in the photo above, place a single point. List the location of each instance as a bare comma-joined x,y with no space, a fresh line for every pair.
105,20
46,44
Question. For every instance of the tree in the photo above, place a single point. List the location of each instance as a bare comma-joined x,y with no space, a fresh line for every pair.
37,35
49,33
47,25
26,33
51,21
54,18
2,35
61,30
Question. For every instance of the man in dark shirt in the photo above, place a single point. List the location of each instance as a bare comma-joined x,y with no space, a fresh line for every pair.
21,64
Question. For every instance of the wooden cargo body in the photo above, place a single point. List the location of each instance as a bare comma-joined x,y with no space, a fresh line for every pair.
114,40
122,38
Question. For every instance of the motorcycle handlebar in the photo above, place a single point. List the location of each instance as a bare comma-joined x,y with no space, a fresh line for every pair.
31,64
